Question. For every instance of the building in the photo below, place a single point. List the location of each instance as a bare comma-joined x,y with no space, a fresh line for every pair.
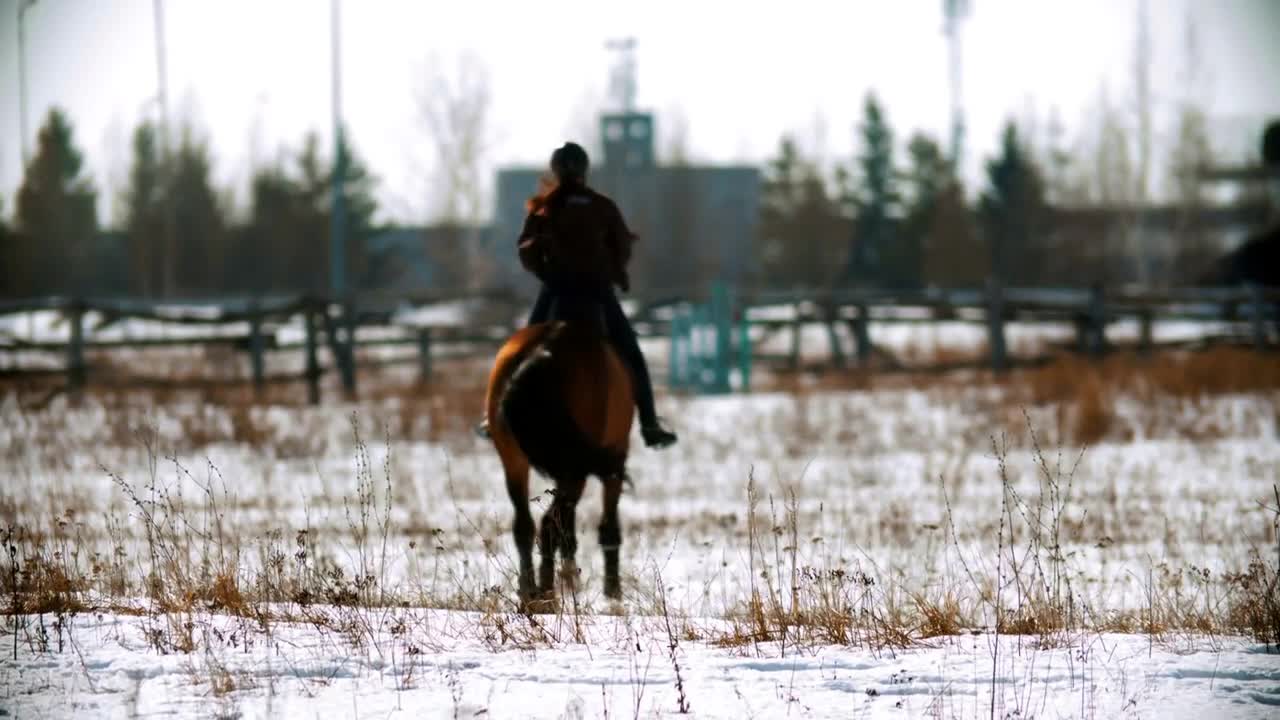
433,258
697,224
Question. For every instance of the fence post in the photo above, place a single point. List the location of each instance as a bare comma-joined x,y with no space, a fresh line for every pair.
722,318
673,350
313,364
698,349
349,324
837,352
1257,318
1146,332
75,350
255,344
797,330
995,325
1097,322
861,326
424,355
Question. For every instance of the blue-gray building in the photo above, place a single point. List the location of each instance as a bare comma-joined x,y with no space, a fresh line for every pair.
696,224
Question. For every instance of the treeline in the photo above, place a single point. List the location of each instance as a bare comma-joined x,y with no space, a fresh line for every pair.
1044,215
176,237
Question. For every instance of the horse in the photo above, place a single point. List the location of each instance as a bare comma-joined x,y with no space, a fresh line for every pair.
560,401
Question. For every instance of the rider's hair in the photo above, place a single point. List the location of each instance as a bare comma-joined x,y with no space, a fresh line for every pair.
537,202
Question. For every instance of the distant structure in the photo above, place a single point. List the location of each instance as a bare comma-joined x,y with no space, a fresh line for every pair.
954,12
697,224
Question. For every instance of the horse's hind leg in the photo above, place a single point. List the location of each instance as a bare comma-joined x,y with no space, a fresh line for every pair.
611,537
523,528
559,533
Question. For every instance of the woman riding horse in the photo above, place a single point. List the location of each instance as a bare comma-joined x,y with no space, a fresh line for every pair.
576,241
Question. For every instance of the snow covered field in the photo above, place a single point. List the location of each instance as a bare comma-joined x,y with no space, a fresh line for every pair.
622,668
821,554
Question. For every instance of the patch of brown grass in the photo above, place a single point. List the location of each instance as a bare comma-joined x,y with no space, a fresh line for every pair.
939,616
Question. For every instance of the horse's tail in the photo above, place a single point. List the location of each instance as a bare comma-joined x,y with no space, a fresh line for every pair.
534,406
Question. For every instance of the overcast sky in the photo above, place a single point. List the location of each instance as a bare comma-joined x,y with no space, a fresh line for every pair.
254,75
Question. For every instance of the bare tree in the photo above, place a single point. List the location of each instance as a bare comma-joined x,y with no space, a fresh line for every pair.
1142,110
453,108
1113,176
582,123
1190,153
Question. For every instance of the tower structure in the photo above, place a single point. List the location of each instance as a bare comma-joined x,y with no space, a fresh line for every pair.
626,134
954,13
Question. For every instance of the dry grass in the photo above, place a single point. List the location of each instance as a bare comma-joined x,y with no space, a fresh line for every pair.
191,560
1217,371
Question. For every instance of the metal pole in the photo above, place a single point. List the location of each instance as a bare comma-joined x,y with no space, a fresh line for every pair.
23,6
954,11
337,216
337,248
169,259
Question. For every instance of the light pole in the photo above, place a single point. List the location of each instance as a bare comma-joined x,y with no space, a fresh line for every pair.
337,221
337,248
23,7
169,260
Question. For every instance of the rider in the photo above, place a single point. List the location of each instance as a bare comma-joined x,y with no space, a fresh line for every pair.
577,242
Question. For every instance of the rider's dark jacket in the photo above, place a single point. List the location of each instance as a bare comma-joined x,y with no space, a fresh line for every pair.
575,240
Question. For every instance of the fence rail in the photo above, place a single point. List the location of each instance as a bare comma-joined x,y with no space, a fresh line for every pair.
436,325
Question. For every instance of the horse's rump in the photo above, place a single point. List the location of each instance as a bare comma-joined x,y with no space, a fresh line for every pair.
563,403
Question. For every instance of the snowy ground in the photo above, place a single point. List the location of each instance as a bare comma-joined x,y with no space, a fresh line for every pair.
898,489
433,666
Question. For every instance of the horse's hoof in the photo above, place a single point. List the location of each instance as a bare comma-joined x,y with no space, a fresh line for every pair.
543,603
613,590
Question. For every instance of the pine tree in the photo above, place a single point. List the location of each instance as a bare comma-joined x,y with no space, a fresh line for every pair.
1013,213
198,217
875,203
288,233
800,224
174,197
57,217
143,204
937,232
10,258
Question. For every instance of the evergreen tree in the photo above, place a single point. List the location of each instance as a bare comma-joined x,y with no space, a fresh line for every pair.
1013,214
175,223
875,202
199,221
800,225
143,204
57,217
10,259
287,240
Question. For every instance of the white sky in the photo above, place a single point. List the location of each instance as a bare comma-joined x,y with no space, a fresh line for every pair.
255,75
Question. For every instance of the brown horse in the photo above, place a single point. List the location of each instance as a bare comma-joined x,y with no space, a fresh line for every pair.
560,401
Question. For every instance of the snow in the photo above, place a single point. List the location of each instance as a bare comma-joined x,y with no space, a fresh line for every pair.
435,664
900,484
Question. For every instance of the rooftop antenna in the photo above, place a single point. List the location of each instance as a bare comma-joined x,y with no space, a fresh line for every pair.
622,77
955,12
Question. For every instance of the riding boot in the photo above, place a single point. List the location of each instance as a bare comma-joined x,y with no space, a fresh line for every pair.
624,340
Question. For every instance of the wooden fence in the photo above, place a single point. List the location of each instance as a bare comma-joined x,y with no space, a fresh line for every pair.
251,324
